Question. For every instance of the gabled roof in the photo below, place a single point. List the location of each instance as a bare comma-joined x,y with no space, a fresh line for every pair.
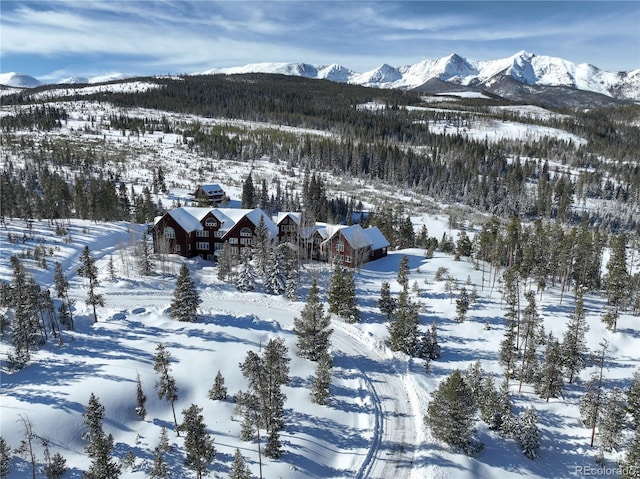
190,218
358,237
294,215
212,189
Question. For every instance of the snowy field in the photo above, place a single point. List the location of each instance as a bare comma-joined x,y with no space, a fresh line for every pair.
372,426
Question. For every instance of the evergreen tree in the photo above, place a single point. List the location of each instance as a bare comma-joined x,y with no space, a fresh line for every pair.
462,305
276,374
198,443
574,346
386,303
403,272
276,282
261,245
218,391
342,294
246,278
166,384
159,470
611,420
489,404
617,280
509,344
5,458
508,424
184,306
473,378
292,285
630,464
239,468
25,325
530,332
528,432
633,399
224,262
451,413
428,347
403,328
55,467
321,388
141,399
145,261
99,444
312,327
248,193
89,270
62,289
550,378
273,448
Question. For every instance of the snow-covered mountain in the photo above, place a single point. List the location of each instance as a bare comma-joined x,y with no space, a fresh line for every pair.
18,80
524,67
507,77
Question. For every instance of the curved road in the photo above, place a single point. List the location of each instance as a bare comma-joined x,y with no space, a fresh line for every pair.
395,441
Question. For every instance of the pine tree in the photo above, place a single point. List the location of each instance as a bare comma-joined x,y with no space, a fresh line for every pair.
451,413
246,278
462,305
218,391
342,294
141,399
239,468
27,445
62,289
145,261
276,374
25,326
99,444
198,443
611,420
617,280
633,399
631,463
5,458
386,303
55,467
166,384
159,470
550,378
473,378
224,262
528,433
248,193
403,328
403,272
184,306
428,347
312,327
489,404
574,346
276,282
89,270
530,332
593,395
273,448
261,246
321,388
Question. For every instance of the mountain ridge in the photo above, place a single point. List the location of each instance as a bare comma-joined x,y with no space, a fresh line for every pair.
525,68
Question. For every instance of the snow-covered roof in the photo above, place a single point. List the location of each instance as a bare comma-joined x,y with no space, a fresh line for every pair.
212,189
358,237
294,215
190,217
376,238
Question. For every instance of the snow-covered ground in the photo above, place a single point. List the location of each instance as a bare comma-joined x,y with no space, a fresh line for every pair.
372,426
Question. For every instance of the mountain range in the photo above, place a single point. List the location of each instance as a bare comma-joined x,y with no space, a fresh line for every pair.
520,75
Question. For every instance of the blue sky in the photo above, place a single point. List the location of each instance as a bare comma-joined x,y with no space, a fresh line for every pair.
53,40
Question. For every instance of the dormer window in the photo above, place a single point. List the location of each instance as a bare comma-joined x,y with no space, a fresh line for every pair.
211,223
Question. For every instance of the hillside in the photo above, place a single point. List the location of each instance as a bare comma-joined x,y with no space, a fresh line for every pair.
464,187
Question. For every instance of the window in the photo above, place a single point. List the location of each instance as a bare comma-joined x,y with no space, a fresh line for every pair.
218,234
246,232
177,248
245,241
202,234
211,223
340,246
217,246
233,240
347,259
234,250
202,245
169,232
210,257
